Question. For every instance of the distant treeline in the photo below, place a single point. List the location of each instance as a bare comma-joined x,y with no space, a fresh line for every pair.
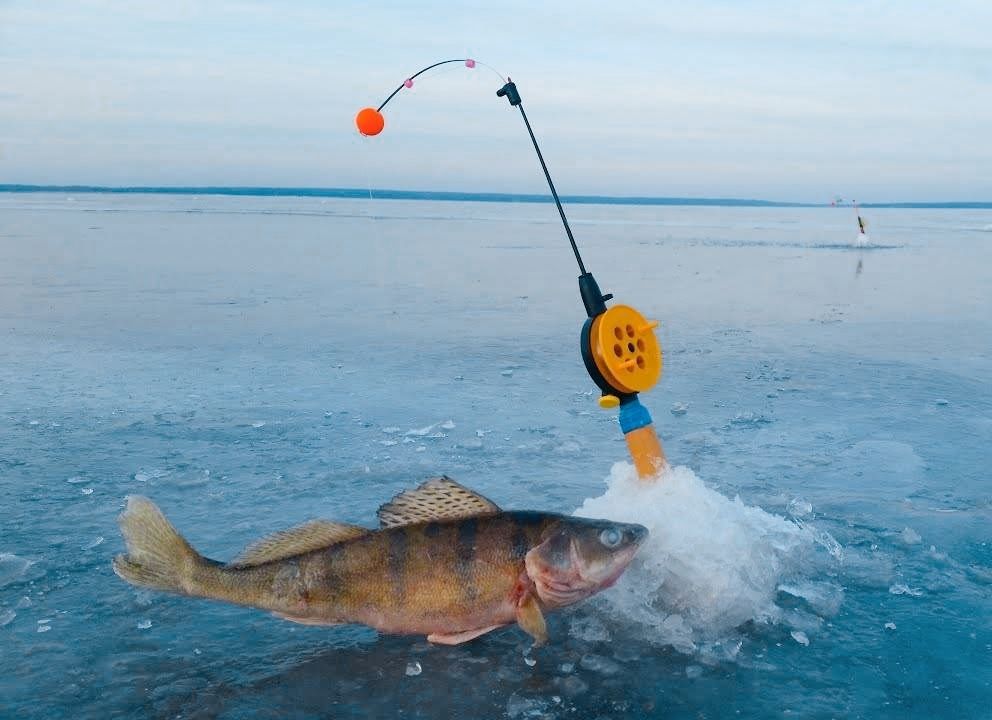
461,196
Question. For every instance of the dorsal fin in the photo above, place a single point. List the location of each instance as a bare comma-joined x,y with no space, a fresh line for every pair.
439,498
312,535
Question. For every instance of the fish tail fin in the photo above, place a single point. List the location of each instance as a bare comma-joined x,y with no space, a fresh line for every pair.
157,555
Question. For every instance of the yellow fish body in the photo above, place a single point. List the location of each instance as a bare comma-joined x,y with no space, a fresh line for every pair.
446,562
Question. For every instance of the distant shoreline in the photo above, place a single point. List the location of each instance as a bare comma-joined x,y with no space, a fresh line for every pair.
358,193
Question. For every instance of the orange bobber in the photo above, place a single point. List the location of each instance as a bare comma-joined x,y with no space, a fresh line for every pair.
370,121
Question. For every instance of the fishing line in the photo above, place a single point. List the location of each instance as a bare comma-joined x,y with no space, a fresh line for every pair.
370,121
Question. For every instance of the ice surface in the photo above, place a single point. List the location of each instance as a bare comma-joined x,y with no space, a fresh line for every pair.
146,349
520,706
421,432
12,568
590,628
750,419
910,536
824,598
936,554
900,589
413,668
800,637
599,664
571,685
710,563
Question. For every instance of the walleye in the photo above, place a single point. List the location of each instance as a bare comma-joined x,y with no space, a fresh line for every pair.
445,562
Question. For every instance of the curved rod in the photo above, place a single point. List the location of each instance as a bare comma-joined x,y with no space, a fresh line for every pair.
419,72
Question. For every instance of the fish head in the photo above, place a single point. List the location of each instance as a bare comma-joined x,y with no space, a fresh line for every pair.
578,557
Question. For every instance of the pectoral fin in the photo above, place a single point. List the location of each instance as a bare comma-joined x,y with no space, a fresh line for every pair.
531,619
459,638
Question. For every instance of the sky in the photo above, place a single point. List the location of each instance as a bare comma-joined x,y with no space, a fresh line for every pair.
795,101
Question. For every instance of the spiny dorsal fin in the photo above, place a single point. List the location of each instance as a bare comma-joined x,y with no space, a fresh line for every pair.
312,535
439,498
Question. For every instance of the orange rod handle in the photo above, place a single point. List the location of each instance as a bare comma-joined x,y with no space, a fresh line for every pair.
645,449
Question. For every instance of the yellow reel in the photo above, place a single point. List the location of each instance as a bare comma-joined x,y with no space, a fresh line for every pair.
625,349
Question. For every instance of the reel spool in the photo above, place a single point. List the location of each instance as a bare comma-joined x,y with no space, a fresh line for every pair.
621,353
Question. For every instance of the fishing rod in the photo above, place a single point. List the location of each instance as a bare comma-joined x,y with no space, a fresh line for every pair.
618,344
857,213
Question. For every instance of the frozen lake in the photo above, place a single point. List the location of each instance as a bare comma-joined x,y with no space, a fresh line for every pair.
249,363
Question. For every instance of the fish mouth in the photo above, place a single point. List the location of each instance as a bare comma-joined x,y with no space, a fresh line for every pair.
639,534
621,564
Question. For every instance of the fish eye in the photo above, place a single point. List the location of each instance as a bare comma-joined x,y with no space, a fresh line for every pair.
610,537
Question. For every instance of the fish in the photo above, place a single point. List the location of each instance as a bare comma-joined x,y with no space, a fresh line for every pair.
445,562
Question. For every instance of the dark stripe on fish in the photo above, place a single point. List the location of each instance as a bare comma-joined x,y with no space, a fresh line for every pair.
528,518
465,556
396,562
520,542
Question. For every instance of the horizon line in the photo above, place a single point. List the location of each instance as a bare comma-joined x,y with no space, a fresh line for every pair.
457,196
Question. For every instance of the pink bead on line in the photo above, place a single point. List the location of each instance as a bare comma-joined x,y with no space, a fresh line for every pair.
408,83
470,63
